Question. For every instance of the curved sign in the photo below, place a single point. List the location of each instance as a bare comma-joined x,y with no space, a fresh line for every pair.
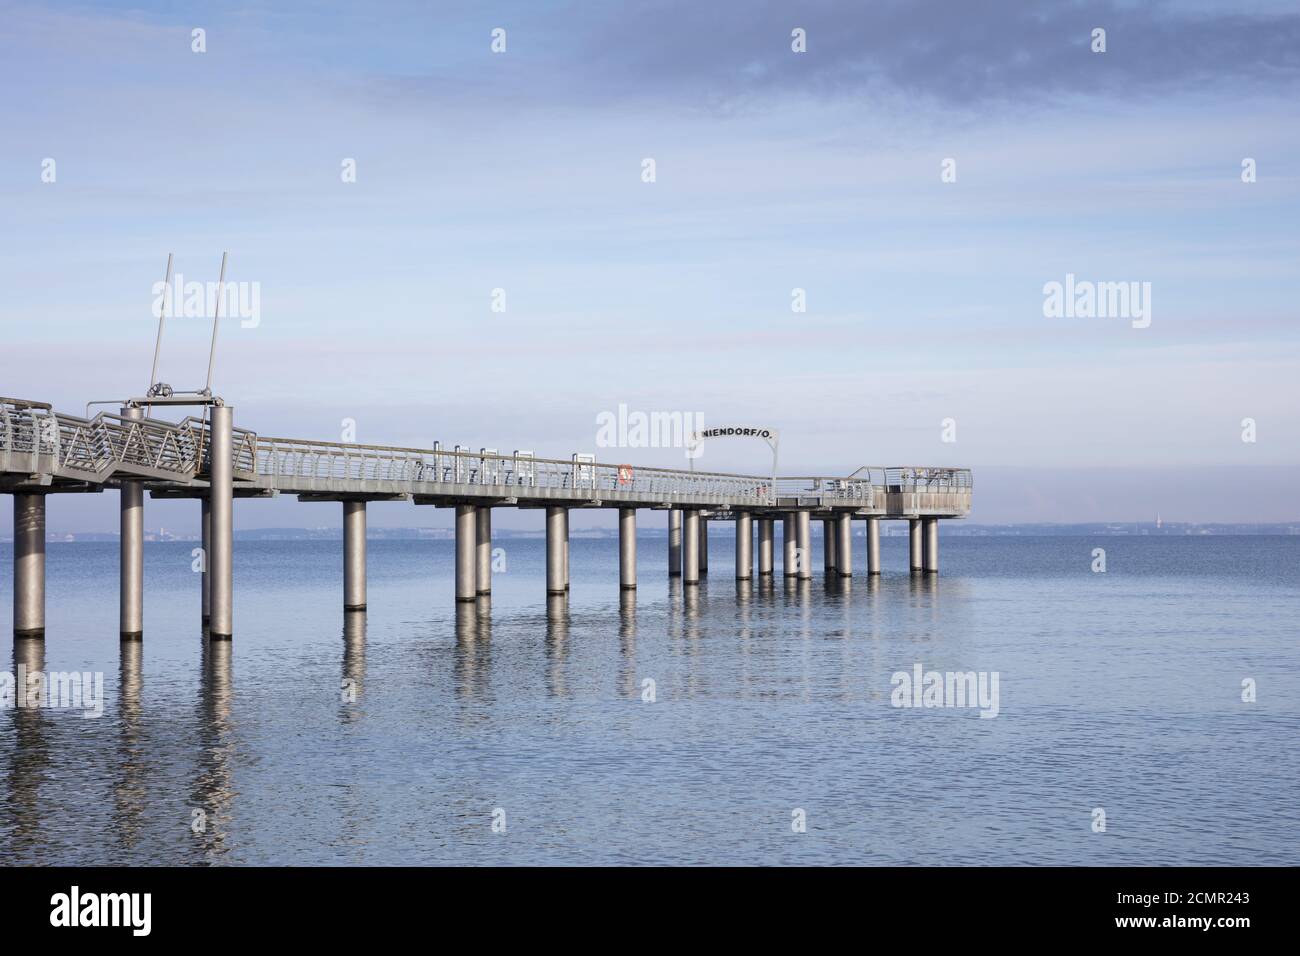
769,435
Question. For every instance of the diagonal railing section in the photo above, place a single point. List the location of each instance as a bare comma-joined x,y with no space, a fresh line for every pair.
36,439
110,444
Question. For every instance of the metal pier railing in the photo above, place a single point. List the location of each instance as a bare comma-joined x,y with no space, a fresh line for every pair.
38,441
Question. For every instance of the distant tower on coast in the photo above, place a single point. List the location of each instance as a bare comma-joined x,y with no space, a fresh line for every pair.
1157,520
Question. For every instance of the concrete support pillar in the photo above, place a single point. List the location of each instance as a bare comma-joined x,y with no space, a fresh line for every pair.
691,546
744,547
221,547
130,604
565,548
830,540
932,545
205,578
789,545
844,544
704,545
29,566
675,543
873,545
556,532
766,533
803,522
483,549
466,565
354,555
914,543
627,549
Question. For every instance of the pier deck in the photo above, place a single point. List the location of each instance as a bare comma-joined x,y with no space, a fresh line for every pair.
43,452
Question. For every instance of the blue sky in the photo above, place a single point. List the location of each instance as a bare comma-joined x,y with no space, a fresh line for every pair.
775,170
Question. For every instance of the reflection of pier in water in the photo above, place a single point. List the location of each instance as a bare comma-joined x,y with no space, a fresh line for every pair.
130,788
213,792
30,761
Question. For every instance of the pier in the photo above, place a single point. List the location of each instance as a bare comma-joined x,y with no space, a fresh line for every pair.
45,452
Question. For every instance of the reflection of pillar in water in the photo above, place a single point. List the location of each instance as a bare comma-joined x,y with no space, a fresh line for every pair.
354,656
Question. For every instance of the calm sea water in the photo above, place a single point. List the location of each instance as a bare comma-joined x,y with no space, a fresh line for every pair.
1120,691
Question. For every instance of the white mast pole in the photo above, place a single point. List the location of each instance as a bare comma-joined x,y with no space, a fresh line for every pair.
162,318
216,321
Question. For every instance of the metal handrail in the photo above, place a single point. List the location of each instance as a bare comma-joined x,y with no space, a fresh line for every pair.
916,478
343,461
25,403
110,443
493,455
281,457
